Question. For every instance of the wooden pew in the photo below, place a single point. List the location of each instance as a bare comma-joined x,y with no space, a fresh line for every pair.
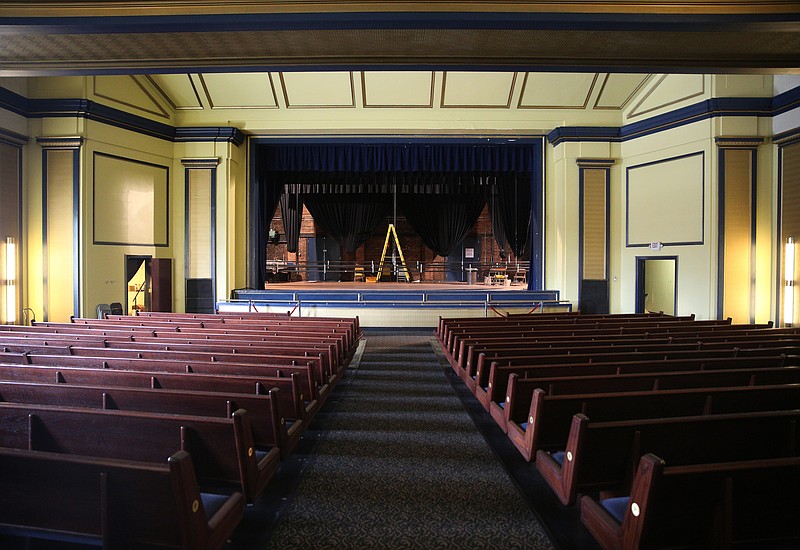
222,449
549,418
235,384
603,455
460,342
338,334
528,353
497,383
268,426
701,506
114,503
533,345
277,344
307,372
520,391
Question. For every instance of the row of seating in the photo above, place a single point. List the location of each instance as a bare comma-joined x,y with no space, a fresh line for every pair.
156,430
671,432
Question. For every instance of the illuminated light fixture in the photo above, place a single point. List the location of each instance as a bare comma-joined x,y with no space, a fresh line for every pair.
788,289
11,281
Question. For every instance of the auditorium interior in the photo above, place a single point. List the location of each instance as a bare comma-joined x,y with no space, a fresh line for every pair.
400,163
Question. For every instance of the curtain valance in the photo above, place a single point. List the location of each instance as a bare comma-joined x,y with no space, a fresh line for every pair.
452,160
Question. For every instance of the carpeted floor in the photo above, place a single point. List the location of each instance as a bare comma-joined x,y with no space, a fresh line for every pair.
400,464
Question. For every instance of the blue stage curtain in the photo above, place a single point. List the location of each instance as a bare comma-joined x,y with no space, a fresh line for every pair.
348,219
442,221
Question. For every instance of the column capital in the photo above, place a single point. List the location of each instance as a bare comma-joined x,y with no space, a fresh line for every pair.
67,142
738,142
201,163
595,163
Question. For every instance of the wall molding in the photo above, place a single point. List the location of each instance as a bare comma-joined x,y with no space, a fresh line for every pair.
91,110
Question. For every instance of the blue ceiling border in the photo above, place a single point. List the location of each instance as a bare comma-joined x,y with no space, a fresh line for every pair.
704,110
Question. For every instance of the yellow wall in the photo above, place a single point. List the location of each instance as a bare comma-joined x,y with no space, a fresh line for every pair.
102,265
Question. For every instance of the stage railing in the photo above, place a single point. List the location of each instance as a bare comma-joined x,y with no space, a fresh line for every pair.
488,303
319,270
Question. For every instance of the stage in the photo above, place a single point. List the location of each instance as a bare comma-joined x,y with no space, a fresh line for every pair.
394,304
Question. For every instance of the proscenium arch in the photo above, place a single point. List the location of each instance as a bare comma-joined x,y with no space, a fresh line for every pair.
536,230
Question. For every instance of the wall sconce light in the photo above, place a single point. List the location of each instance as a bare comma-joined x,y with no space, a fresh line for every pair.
11,281
788,289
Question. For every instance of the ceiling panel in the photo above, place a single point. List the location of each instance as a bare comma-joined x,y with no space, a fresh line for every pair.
397,89
178,89
477,89
668,91
130,92
318,89
239,90
616,90
556,90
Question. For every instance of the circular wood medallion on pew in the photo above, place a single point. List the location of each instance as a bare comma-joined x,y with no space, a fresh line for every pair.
195,506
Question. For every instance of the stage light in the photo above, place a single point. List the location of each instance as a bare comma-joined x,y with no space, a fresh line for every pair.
788,288
11,281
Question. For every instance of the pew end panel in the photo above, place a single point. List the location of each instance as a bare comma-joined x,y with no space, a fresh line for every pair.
112,503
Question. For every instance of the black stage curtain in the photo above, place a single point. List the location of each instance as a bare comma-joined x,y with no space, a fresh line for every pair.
442,221
292,214
266,194
348,219
514,209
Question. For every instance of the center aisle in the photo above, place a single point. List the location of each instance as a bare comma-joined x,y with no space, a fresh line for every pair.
401,464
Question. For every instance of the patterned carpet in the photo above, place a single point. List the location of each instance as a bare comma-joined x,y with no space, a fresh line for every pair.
400,464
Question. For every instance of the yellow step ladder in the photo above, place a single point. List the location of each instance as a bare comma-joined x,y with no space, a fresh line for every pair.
389,233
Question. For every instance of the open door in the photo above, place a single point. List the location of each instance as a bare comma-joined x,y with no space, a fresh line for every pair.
137,284
656,284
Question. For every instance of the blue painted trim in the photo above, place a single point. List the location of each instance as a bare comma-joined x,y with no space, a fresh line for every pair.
14,102
753,231
92,110
12,138
45,258
712,108
779,244
213,239
584,133
536,237
186,240
252,223
786,101
396,20
721,239
76,241
582,229
704,110
228,134
628,243
536,280
787,137
640,280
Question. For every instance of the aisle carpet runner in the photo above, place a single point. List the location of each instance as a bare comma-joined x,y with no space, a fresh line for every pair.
402,465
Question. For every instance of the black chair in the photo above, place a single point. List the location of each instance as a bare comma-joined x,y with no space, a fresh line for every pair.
116,308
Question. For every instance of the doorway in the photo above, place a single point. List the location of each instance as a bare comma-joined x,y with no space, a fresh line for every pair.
137,284
657,284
